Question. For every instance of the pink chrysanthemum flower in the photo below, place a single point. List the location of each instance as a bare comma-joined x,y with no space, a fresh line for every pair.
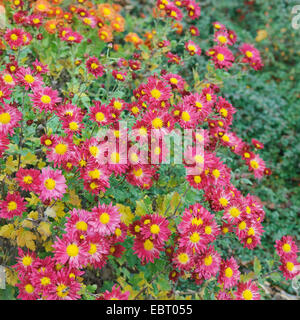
146,250
40,68
183,259
53,184
43,280
105,219
7,79
71,251
251,56
13,205
247,291
286,247
78,222
100,114
175,80
115,294
118,75
27,291
208,264
14,37
45,99
65,288
290,267
28,179
222,57
5,92
229,273
27,79
157,229
192,48
60,151
98,250
10,118
257,166
25,262
94,67
224,295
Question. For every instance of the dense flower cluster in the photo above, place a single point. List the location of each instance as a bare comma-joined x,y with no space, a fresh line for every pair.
90,148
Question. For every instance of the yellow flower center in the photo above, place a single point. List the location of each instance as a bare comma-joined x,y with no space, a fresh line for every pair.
247,295
220,57
29,288
28,180
62,291
14,37
104,218
183,258
290,266
27,261
72,250
222,39
155,93
50,184
216,173
195,237
249,54
173,80
185,116
81,225
242,225
8,78
94,150
197,222
148,245
45,99
48,142
93,249
118,232
254,164
45,281
29,78
208,229
155,229
12,205
137,172
61,148
100,116
228,272
115,157
199,159
208,261
197,179
286,247
73,126
223,202
5,118
94,174
234,212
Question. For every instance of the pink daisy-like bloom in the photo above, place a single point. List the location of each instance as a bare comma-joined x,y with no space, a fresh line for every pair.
229,273
45,99
4,142
72,125
100,113
40,68
60,151
257,166
53,184
290,267
175,80
186,116
78,222
98,250
156,91
222,57
218,25
28,179
118,75
27,79
147,250
194,31
65,288
221,37
247,291
7,79
13,205
43,280
208,263
70,250
192,48
27,291
105,219
251,56
157,229
25,262
14,37
286,247
70,36
257,144
115,294
10,118
173,12
234,211
194,9
174,58
194,239
200,104
94,67
183,259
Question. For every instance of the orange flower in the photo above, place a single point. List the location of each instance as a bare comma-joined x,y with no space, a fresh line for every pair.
133,38
67,15
105,33
51,26
116,7
118,24
178,27
42,6
106,11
